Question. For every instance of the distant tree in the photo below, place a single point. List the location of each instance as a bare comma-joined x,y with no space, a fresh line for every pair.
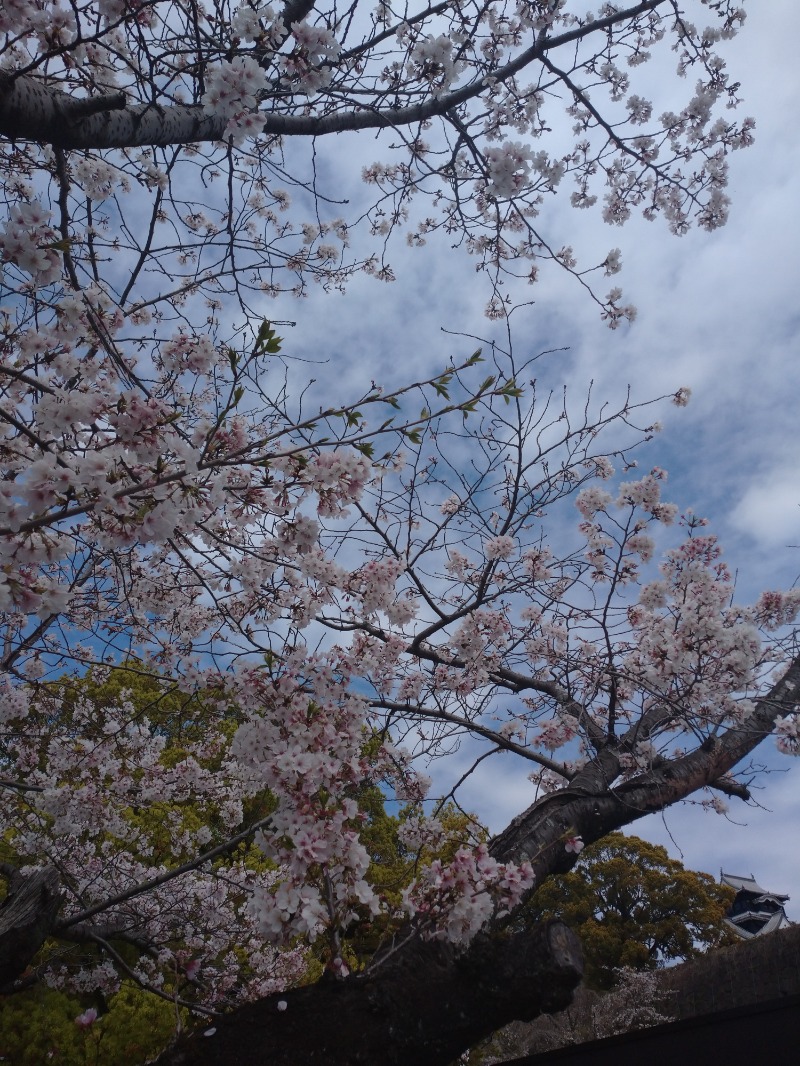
633,906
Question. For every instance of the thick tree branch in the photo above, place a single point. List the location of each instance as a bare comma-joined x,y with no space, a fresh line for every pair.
26,918
592,806
32,111
425,1005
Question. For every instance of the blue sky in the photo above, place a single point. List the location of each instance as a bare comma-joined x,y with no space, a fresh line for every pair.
717,312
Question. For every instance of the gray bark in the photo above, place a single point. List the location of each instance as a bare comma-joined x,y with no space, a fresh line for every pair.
30,110
27,915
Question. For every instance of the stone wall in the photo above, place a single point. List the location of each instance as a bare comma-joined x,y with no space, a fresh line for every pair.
765,969
753,971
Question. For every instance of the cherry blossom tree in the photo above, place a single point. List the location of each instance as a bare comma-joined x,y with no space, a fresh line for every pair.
209,117
216,550
344,595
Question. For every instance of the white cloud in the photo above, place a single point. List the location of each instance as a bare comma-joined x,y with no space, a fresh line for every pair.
769,510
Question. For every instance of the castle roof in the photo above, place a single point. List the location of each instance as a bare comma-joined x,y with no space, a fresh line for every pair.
750,885
755,910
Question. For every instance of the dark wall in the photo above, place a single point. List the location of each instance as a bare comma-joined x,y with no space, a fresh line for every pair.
768,1032
747,973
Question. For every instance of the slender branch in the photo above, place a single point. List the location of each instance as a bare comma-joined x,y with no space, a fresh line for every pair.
155,882
20,787
118,959
498,739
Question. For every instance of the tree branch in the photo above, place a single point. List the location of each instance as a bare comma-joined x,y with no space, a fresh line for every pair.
592,807
32,111
497,738
426,1005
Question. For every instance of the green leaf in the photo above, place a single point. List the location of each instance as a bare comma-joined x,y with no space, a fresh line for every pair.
511,391
267,343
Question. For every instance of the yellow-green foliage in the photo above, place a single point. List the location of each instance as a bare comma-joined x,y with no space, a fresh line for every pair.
37,1028
182,718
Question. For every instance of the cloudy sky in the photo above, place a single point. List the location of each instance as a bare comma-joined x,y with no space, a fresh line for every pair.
719,313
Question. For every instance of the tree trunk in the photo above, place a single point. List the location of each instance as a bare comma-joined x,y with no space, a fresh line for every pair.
27,916
424,1005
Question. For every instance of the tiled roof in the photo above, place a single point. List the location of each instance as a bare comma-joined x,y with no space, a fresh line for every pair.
749,884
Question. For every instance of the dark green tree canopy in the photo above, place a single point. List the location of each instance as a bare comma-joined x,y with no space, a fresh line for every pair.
632,905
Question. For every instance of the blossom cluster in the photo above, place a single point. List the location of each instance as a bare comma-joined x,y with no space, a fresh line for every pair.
303,741
233,91
432,59
509,167
787,731
29,241
310,67
454,901
254,21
